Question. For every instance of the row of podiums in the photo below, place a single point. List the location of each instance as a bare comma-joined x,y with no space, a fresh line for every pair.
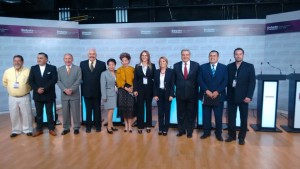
267,100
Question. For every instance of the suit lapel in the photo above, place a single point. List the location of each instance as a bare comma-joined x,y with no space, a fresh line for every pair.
166,76
191,69
180,66
46,70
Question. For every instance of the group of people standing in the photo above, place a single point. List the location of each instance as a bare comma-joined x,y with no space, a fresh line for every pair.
131,90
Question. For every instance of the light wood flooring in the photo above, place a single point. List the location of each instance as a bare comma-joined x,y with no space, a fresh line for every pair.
263,150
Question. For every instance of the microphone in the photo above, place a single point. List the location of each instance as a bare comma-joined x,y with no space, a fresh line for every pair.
292,68
261,63
274,67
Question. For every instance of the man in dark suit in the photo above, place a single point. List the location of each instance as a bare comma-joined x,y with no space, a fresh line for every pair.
186,74
240,88
213,81
90,89
42,79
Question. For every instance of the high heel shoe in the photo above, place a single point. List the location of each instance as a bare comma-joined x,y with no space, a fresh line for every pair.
130,131
140,131
114,129
148,130
109,131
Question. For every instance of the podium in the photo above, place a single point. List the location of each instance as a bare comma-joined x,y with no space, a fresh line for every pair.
267,98
293,105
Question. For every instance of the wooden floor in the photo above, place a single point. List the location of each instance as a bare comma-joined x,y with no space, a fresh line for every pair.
262,150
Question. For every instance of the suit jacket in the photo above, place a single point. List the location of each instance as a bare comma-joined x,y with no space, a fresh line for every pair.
71,81
186,89
168,82
245,82
90,86
108,83
218,82
47,81
139,75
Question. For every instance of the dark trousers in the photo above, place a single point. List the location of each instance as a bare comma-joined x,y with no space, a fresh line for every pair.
164,106
93,108
39,106
232,110
144,96
186,114
218,112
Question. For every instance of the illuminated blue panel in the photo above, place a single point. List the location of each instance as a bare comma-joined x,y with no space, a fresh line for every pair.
238,118
45,114
116,119
173,112
200,113
145,112
83,110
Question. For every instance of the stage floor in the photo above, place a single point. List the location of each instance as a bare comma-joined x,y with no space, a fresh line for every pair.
263,150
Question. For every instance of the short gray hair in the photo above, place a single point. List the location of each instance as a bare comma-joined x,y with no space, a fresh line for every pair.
186,50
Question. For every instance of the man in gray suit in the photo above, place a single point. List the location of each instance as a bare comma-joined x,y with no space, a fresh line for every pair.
69,79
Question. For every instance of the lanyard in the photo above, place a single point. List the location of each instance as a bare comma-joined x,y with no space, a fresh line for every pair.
18,74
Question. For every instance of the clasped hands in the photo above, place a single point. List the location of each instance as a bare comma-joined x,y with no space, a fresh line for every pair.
68,92
212,95
129,89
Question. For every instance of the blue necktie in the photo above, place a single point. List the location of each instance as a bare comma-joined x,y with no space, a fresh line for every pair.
213,70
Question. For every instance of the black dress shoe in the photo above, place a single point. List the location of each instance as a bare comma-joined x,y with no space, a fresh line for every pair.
165,133
230,139
14,135
180,134
29,134
76,131
160,133
204,136
219,138
241,141
64,132
114,129
189,135
88,130
140,131
148,130
98,130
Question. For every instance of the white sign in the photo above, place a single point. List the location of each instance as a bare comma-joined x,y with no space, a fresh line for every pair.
297,107
269,105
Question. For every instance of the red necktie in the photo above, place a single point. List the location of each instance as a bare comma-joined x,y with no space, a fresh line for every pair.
185,72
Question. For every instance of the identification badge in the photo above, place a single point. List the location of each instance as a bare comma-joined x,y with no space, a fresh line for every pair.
234,83
16,85
145,81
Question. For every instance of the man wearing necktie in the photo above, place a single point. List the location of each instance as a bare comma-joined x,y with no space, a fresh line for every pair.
69,79
186,74
90,89
213,81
